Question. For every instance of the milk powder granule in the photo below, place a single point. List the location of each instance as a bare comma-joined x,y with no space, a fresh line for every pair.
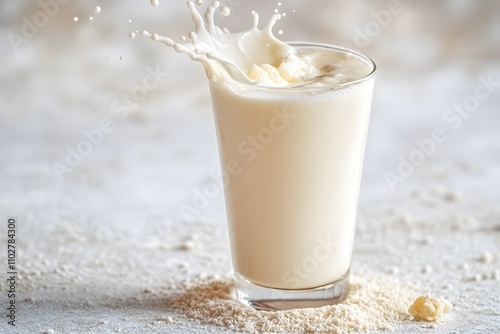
429,309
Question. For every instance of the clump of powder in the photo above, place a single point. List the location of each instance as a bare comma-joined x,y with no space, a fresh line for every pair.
429,309
370,305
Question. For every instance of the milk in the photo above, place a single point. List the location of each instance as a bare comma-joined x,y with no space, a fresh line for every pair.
292,207
291,123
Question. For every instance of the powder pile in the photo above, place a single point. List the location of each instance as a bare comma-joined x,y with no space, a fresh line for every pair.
370,305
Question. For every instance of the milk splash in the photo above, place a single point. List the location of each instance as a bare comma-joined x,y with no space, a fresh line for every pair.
227,56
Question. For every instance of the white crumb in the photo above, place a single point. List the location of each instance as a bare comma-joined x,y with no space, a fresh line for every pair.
427,308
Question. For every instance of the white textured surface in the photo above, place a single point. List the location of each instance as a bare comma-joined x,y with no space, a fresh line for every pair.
91,245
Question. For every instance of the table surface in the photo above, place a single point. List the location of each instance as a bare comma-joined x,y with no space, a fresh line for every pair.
99,242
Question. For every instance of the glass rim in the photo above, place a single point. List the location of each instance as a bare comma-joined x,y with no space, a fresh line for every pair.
304,90
343,50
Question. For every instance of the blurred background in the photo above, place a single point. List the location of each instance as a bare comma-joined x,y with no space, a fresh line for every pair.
63,73
60,77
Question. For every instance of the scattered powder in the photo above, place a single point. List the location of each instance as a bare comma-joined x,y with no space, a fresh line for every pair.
453,196
486,257
427,269
370,305
49,331
183,265
405,219
394,270
495,275
189,245
167,320
428,240
427,308
464,223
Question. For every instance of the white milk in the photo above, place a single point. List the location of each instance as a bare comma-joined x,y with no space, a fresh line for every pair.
292,203
293,152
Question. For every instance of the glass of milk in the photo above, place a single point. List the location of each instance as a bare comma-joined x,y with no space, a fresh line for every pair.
293,157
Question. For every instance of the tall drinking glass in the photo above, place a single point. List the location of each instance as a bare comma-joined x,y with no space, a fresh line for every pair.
293,158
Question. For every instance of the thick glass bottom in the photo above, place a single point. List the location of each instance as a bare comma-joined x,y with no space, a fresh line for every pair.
268,299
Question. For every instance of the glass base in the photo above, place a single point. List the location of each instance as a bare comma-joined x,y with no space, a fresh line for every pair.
268,299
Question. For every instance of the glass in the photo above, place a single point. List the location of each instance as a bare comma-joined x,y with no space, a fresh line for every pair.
292,160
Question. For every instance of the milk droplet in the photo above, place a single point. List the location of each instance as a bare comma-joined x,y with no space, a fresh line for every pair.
280,32
97,9
132,35
284,14
155,3
129,21
276,10
192,35
91,18
199,2
144,33
183,38
107,58
75,18
122,57
155,37
225,11
279,3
